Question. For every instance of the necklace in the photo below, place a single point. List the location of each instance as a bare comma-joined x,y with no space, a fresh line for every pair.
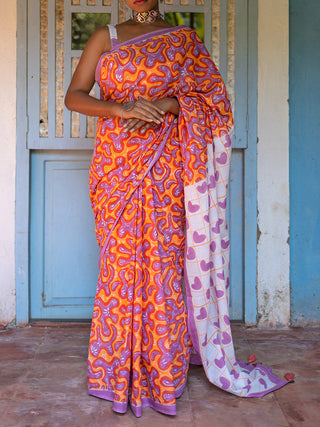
146,17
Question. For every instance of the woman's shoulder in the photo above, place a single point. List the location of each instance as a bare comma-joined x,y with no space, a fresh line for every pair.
100,40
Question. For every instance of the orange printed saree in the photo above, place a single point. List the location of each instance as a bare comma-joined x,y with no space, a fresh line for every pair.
159,201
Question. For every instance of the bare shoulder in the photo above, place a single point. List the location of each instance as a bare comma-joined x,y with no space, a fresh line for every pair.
84,75
99,42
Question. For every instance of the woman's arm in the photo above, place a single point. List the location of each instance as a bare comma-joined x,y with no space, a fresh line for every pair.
78,99
167,105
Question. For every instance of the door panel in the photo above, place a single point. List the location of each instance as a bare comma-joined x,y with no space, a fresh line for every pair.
63,249
235,221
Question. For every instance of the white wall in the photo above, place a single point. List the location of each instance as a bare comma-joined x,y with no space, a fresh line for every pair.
273,286
8,28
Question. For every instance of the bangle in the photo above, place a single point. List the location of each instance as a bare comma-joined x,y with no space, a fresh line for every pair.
127,106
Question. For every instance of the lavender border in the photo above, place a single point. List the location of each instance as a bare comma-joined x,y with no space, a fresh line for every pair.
195,359
268,371
121,407
151,34
192,329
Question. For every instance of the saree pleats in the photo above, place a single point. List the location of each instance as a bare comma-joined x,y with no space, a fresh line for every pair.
159,201
139,345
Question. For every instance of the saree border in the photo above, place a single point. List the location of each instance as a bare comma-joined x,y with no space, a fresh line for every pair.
150,35
122,407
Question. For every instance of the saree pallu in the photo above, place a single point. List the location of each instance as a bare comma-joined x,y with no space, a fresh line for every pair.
159,200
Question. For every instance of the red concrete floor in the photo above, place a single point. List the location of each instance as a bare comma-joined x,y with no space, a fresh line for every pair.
43,383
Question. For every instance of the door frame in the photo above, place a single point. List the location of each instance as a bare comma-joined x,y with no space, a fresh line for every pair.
22,211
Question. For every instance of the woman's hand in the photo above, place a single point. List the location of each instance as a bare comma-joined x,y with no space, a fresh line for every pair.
142,110
162,106
169,105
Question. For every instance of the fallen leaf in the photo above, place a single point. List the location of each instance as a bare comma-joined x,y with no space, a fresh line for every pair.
252,358
289,376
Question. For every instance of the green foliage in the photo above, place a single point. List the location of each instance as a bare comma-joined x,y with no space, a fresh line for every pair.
191,20
84,25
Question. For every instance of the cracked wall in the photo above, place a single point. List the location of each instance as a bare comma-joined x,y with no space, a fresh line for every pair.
8,25
273,285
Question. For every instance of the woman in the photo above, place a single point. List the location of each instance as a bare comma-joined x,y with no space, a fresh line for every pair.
158,184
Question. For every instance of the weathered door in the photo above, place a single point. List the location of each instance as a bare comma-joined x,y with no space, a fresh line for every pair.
63,249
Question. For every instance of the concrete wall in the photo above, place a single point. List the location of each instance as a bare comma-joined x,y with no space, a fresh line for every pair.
273,287
8,28
305,161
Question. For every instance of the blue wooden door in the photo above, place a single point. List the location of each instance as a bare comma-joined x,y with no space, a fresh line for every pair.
63,249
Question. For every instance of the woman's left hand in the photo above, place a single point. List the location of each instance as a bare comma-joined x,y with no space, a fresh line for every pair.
168,105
